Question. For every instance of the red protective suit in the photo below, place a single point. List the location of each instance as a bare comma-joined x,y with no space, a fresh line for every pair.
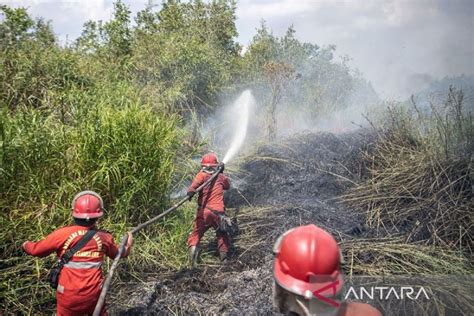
358,309
81,279
210,200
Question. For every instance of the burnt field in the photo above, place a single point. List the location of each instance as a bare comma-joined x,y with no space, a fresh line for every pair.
278,187
304,179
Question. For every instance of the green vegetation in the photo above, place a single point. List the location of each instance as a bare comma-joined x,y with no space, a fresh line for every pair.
45,162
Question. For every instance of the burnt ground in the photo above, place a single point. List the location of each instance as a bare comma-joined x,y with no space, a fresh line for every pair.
294,182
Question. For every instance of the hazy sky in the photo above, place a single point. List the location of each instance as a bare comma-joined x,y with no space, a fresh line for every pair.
398,45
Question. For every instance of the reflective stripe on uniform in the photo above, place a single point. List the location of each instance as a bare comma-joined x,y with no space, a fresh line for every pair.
83,265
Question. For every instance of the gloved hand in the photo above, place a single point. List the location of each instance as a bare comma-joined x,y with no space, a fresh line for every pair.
130,239
190,195
128,246
24,244
221,167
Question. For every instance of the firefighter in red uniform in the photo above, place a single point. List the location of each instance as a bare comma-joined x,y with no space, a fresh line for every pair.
210,207
307,277
81,279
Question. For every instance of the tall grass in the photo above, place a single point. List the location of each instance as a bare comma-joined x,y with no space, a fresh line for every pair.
108,141
420,175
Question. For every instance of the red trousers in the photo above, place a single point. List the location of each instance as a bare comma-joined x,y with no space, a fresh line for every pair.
206,219
75,306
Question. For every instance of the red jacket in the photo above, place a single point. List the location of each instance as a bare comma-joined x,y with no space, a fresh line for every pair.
82,276
358,309
212,196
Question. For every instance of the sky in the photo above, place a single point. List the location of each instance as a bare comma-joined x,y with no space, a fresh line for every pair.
398,45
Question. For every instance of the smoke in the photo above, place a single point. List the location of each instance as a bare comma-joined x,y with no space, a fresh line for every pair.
337,121
389,41
336,105
240,122
334,101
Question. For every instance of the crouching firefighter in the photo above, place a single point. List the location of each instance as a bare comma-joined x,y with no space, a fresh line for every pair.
307,277
211,210
81,248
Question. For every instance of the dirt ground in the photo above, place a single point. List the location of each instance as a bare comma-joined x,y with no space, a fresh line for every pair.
280,186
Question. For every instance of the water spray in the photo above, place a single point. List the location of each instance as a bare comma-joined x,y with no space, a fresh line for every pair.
242,107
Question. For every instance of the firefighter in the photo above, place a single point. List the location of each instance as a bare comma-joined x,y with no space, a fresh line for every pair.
80,279
307,277
211,210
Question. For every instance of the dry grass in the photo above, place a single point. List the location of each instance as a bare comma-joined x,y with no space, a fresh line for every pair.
420,176
392,256
445,274
418,197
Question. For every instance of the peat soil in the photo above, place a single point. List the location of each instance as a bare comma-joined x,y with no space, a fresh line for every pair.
280,186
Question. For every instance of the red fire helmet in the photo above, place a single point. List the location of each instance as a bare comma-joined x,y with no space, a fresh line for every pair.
87,204
307,262
209,160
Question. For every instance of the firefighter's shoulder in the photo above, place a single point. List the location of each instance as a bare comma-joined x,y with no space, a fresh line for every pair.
358,309
103,231
105,236
65,229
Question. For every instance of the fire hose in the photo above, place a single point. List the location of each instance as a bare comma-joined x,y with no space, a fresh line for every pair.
108,280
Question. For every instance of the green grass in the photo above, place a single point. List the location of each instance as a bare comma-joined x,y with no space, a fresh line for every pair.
123,149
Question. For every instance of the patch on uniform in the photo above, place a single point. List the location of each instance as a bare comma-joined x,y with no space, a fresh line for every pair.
92,254
60,288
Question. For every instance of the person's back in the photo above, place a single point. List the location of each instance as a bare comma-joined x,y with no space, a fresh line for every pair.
80,275
81,278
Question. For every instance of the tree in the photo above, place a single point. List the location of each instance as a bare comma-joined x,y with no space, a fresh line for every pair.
33,67
117,31
91,38
271,69
185,53
278,75
296,79
15,27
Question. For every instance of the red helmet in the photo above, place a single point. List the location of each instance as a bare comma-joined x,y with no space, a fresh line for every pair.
87,204
209,160
307,262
